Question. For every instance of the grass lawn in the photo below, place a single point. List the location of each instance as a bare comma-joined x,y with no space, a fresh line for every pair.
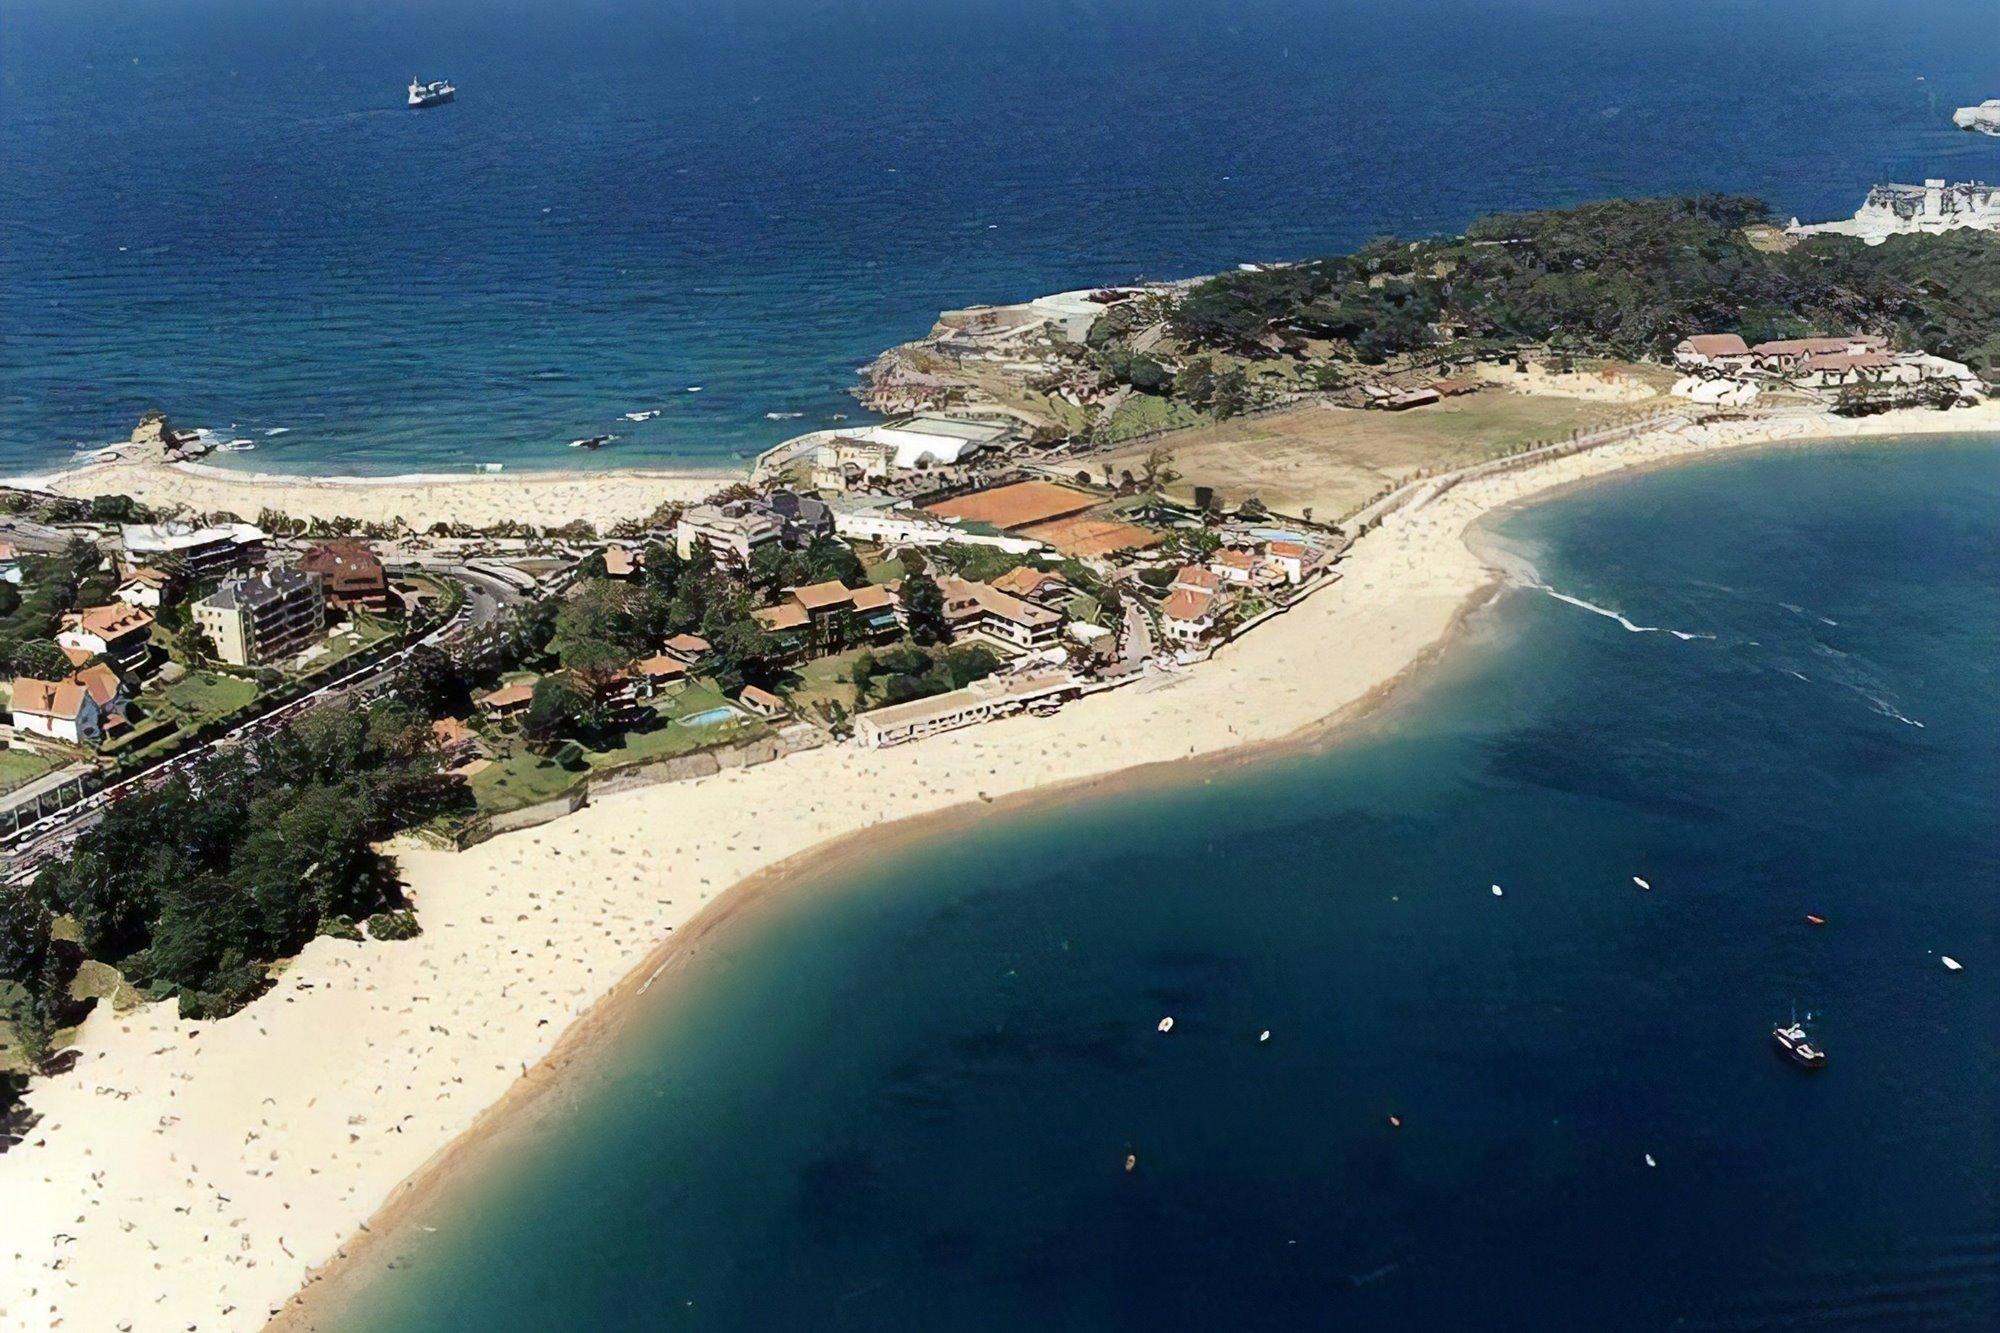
824,680
201,696
1144,411
20,767
519,777
337,646
1332,458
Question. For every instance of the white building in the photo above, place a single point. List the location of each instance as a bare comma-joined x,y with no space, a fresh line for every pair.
201,550
859,521
875,453
144,587
1712,351
1934,206
119,631
995,696
266,619
75,709
1189,615
733,532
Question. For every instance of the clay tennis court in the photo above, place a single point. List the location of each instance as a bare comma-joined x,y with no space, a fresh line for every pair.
1016,505
1089,535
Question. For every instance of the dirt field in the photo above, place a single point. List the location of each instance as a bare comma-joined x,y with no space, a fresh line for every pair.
1332,459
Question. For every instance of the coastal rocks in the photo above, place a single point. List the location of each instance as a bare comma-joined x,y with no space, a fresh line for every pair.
153,428
1983,119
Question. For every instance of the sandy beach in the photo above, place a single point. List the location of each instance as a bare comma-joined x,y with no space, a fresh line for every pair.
545,499
197,1174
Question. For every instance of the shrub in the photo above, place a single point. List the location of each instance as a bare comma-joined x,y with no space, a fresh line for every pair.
398,925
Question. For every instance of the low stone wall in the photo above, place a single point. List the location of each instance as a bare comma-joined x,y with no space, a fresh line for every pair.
528,816
681,768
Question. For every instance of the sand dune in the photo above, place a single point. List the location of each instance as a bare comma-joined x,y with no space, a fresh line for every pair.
194,1175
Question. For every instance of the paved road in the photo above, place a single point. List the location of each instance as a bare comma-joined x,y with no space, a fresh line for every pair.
55,834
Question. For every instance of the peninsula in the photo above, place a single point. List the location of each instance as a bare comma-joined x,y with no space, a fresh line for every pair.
1120,532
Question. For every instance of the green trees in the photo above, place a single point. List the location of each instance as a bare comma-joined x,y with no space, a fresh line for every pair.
905,672
1625,277
193,887
41,659
555,709
923,608
430,682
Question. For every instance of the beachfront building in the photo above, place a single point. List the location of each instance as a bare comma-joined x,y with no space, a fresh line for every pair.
200,551
351,573
1724,352
982,610
268,618
457,744
732,532
803,517
830,615
1294,560
78,709
145,587
762,702
1189,615
876,453
117,631
995,696
1781,356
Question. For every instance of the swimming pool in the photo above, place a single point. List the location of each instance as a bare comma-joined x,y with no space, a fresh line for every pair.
708,717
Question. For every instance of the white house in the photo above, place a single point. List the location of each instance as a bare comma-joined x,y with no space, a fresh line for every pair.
1189,615
77,709
1712,351
143,587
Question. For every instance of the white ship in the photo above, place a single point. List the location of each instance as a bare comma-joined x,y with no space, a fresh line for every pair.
1934,206
431,94
1984,118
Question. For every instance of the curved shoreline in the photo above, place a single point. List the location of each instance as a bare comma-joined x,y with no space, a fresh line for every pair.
420,499
161,1119
593,1036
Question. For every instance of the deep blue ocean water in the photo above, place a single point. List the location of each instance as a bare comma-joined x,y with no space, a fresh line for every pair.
903,1099
221,207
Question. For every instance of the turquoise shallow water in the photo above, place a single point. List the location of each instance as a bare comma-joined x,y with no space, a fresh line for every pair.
222,208
903,1099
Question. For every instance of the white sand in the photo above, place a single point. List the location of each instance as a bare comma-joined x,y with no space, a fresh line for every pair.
192,1175
546,499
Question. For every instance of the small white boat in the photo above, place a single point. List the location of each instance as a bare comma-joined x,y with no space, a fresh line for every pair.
1951,964
1497,890
435,93
1642,883
235,446
1167,1025
1650,1161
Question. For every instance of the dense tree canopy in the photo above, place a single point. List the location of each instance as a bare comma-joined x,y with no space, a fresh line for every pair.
191,887
1629,277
